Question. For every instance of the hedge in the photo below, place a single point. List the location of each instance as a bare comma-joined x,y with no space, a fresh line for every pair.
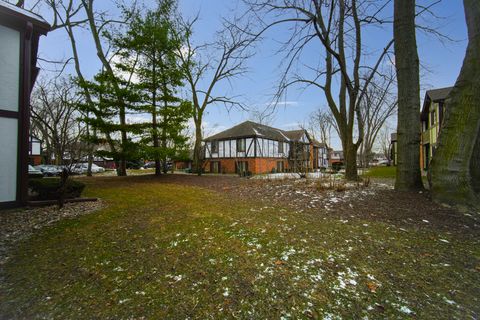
48,188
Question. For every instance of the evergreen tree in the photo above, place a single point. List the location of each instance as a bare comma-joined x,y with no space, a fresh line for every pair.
104,115
154,38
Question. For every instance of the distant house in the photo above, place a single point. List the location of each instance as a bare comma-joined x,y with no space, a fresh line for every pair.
255,148
20,31
35,151
336,157
185,163
431,118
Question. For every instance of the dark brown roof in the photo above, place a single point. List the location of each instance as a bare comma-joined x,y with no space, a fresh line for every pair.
434,95
250,129
295,135
438,94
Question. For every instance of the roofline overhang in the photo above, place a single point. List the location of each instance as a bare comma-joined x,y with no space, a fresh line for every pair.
11,13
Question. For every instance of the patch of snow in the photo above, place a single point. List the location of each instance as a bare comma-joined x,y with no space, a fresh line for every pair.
405,310
226,293
451,302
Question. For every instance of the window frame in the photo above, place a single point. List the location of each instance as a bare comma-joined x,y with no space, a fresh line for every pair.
239,145
280,147
214,146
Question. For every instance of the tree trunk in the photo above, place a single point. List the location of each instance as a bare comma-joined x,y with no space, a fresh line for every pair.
408,127
156,144
350,158
197,150
455,167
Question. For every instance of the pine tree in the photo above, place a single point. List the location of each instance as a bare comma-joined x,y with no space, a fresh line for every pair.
154,38
104,117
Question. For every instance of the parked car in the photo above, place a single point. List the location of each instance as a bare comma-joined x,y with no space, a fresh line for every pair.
34,173
49,170
82,168
148,165
135,164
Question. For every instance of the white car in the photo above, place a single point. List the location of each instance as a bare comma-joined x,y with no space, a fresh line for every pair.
82,168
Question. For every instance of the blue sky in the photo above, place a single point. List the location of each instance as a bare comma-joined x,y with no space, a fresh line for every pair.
441,62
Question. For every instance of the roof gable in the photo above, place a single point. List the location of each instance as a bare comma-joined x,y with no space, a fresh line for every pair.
434,95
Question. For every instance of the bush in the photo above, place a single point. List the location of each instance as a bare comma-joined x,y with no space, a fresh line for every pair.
48,188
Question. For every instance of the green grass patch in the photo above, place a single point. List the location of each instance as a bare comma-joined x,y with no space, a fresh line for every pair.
164,251
381,172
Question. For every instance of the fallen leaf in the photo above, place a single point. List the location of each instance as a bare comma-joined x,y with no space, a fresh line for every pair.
372,286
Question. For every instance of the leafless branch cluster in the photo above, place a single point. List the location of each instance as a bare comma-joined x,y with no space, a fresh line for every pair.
55,119
333,29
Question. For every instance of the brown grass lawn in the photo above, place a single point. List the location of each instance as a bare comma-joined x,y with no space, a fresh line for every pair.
199,247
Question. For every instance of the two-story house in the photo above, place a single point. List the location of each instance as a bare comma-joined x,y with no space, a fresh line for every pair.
20,32
431,118
256,148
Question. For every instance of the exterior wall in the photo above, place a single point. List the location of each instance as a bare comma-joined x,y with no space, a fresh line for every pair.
255,165
181,165
261,154
430,132
10,125
254,147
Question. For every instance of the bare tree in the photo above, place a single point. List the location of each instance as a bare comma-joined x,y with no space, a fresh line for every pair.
337,26
321,124
385,143
227,60
65,16
455,167
265,116
378,105
55,119
68,15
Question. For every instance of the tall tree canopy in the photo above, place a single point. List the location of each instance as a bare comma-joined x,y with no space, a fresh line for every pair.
154,38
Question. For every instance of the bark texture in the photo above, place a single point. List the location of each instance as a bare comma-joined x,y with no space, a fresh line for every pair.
455,167
408,128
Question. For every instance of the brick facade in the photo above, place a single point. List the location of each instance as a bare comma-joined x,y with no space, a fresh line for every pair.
255,165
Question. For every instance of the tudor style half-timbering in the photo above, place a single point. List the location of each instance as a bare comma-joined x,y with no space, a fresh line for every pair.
256,148
20,31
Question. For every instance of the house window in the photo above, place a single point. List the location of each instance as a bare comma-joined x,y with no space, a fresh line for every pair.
433,118
214,146
280,147
240,145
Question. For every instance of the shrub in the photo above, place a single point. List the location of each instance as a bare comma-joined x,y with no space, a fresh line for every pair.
48,188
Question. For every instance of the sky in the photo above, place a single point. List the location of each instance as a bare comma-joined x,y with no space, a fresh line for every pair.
440,60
